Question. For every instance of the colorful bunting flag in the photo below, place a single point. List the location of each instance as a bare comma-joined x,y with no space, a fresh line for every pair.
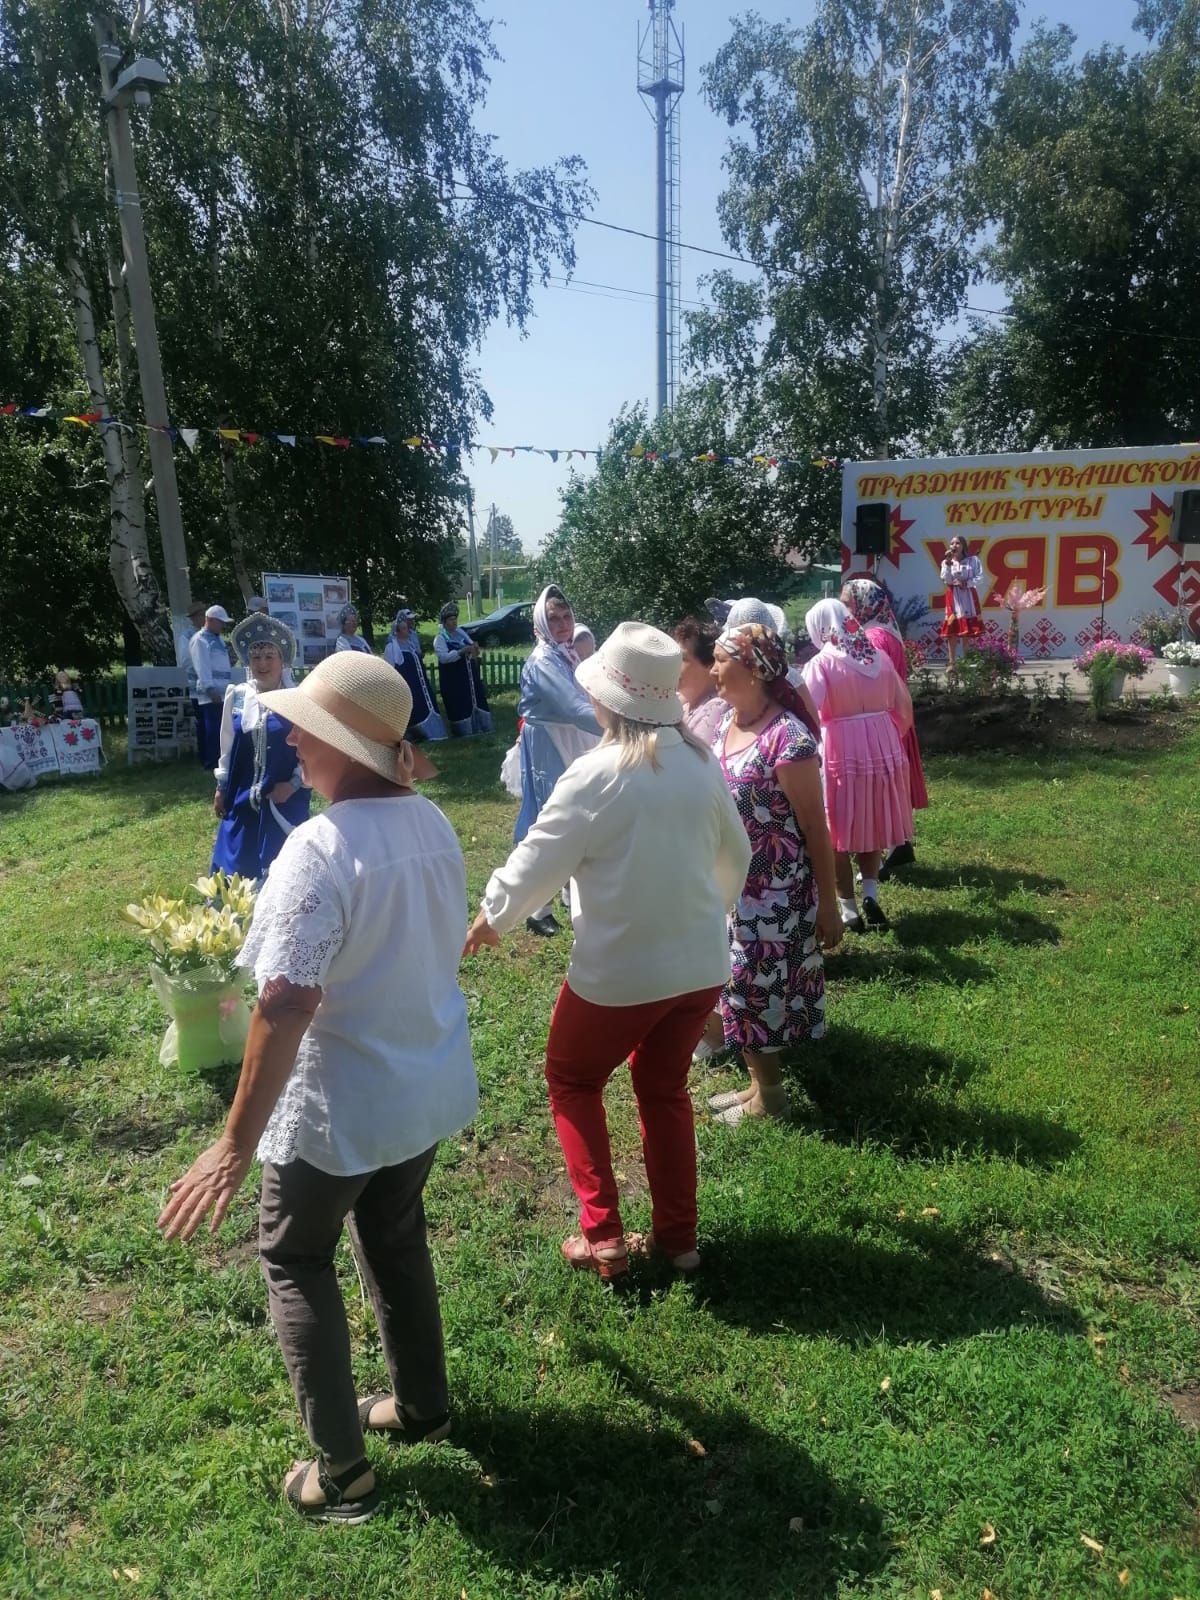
374,441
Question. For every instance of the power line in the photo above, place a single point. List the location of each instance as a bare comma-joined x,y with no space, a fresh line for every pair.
599,222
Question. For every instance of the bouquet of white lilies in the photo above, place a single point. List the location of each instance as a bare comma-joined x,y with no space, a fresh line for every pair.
194,969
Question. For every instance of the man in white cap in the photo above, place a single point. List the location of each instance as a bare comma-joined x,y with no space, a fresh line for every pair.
209,656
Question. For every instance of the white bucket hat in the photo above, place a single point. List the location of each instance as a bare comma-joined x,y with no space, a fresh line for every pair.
360,705
635,673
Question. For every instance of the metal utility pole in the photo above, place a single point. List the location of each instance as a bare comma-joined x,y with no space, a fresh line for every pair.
660,80
135,86
472,552
492,556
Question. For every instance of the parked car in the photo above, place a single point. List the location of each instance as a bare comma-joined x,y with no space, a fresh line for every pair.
510,625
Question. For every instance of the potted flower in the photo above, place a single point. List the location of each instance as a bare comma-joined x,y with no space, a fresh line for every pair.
194,969
1183,665
1107,663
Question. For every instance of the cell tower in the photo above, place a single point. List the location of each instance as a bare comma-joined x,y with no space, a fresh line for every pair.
660,81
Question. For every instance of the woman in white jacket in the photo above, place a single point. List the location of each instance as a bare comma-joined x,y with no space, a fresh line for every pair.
645,826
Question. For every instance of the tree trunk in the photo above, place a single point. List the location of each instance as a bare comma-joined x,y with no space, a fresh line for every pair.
128,549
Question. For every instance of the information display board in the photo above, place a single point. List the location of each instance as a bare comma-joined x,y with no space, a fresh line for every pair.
1091,527
161,719
308,604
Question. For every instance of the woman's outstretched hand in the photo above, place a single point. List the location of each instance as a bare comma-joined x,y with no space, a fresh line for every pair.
481,933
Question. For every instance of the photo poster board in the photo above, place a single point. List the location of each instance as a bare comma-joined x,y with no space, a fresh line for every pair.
308,604
1091,527
161,719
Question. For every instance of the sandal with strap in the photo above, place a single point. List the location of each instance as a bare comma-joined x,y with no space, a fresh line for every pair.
722,1102
406,1429
335,1507
582,1253
646,1245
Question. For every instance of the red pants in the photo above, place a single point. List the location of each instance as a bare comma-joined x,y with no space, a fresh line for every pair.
587,1044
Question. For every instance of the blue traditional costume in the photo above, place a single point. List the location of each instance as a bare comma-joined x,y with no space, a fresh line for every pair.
557,720
459,678
255,757
403,651
350,641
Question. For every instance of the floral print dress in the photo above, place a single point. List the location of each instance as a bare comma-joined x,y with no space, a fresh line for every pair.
775,996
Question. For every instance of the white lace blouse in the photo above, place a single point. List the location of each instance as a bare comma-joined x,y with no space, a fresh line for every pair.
368,900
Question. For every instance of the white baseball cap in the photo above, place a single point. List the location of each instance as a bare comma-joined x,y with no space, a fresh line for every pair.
216,614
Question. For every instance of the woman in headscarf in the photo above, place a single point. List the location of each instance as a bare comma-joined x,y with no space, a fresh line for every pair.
350,638
868,603
584,641
865,712
358,1062
403,651
786,913
459,678
261,794
557,721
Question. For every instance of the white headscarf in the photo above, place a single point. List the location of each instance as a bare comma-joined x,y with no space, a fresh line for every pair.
541,628
831,627
748,609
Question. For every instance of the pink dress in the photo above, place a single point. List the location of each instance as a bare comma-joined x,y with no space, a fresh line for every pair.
883,639
864,769
705,717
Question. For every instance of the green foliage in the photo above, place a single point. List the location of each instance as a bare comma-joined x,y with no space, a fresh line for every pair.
853,136
330,236
1080,175
653,540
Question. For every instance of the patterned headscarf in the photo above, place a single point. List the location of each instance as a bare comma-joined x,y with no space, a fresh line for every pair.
346,613
831,627
760,650
869,604
565,653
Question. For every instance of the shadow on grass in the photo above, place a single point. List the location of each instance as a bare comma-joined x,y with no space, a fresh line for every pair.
996,882
866,959
936,930
915,1281
22,1052
32,1109
866,1089
616,1494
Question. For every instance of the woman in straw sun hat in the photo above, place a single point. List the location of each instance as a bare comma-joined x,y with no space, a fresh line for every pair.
645,826
358,1062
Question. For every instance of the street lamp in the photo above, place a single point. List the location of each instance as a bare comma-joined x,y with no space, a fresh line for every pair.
134,86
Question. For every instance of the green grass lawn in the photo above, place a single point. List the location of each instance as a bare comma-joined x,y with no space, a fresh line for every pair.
947,1322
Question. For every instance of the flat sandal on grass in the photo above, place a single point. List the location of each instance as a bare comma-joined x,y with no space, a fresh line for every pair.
335,1507
407,1429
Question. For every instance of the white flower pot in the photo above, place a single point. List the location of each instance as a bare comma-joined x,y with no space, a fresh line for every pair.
1116,688
1183,680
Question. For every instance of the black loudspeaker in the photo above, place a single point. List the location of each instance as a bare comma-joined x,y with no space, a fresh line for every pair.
1185,517
871,528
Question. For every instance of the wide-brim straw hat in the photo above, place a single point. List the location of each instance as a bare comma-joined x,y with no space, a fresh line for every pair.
359,705
635,673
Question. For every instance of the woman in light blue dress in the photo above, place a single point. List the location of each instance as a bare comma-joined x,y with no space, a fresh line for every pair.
557,721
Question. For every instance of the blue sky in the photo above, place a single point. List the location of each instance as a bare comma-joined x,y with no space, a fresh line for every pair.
567,85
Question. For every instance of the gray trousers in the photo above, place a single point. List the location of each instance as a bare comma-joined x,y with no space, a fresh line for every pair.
300,1222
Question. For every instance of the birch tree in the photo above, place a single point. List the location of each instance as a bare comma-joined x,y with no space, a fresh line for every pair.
852,141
